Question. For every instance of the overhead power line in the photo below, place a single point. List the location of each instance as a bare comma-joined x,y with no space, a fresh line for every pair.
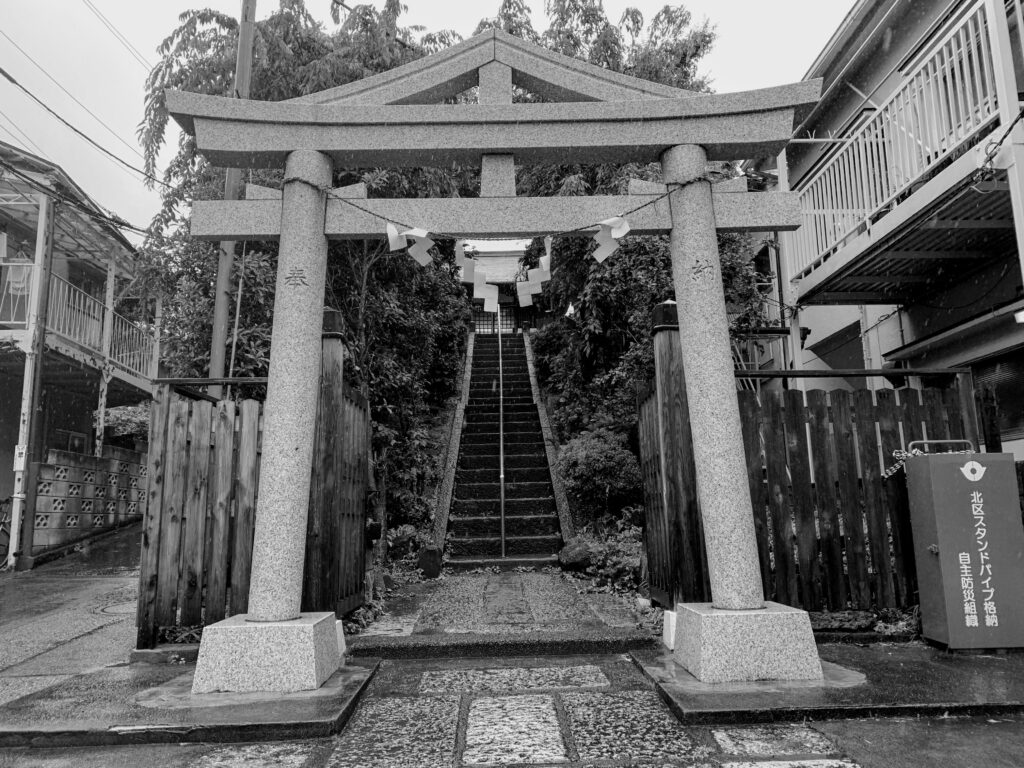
71,95
25,138
78,131
119,36
115,221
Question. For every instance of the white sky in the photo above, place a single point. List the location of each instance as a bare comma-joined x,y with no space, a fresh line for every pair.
761,43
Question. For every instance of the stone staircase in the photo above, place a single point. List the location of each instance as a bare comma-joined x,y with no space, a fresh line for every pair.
531,522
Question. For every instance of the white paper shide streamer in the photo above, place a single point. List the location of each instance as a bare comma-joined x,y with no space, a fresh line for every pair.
608,235
421,242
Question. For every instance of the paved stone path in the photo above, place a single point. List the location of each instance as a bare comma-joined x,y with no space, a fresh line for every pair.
506,602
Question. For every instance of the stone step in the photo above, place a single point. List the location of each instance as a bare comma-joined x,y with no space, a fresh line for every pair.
515,525
490,461
511,449
501,563
512,475
492,490
491,425
484,438
514,545
488,507
490,411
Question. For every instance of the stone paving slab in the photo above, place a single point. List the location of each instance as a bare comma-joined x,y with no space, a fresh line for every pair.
512,679
515,729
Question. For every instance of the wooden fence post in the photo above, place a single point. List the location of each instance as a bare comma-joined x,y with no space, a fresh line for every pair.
965,389
323,545
678,473
145,620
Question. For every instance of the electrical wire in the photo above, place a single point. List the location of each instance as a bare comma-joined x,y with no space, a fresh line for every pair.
25,137
121,38
114,221
80,133
71,95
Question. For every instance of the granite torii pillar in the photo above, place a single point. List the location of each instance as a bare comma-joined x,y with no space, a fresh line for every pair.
738,636
274,646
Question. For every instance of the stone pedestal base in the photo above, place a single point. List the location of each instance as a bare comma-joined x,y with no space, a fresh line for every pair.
668,630
240,655
773,643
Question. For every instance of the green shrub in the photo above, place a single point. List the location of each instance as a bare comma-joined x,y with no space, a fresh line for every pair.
600,474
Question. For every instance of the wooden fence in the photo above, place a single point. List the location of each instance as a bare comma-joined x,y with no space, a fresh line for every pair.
202,495
832,531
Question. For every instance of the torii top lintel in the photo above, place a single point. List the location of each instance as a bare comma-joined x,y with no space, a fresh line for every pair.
388,120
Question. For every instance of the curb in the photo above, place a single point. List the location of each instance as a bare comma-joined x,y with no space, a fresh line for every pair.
526,644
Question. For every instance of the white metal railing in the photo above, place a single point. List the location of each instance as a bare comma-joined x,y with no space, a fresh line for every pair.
943,104
131,347
75,314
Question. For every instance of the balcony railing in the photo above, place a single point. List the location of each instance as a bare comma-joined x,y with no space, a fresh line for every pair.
131,347
76,316
940,107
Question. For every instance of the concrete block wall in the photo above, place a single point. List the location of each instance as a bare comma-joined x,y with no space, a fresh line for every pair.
79,496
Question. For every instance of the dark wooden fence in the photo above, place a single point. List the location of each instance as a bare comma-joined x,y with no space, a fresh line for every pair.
833,532
203,488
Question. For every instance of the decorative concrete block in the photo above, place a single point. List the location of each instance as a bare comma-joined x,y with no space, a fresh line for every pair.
668,630
721,646
241,655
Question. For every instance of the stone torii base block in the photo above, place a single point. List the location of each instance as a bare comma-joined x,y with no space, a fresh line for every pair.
722,646
241,655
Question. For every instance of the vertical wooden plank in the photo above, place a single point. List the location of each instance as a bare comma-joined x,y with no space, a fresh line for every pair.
962,422
313,574
149,571
222,484
934,411
894,488
850,499
750,420
968,422
798,460
989,410
685,536
874,504
650,462
190,587
913,429
778,499
173,512
824,459
247,474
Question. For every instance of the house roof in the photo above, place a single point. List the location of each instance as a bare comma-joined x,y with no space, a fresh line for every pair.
78,234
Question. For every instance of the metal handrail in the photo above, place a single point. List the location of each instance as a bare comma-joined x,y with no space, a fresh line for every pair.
501,438
944,104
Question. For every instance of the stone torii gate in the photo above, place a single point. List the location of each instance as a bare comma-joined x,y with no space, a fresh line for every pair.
591,116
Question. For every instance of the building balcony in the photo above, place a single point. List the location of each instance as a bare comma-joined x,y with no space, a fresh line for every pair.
78,325
901,207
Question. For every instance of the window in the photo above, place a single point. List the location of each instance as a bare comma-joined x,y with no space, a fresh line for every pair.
1004,374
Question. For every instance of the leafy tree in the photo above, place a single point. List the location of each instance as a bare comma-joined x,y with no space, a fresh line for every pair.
594,360
405,326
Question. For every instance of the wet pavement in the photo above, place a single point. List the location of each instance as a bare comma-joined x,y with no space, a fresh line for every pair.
516,613
69,616
66,630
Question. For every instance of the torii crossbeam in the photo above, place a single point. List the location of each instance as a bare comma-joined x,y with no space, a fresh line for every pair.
393,120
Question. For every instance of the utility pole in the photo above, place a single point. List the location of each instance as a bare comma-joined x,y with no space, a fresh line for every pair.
232,190
31,428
